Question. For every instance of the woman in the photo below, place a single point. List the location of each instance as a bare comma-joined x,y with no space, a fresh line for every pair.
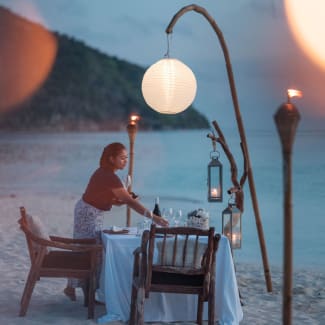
104,190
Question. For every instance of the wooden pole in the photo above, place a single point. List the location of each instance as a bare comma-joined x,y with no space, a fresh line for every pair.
287,241
286,119
132,131
240,127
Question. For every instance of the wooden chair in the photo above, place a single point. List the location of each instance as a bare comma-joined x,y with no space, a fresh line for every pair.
184,263
58,257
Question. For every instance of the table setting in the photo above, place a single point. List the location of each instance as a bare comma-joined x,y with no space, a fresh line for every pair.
116,275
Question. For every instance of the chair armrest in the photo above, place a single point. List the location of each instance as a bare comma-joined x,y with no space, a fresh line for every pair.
73,240
60,245
72,247
144,242
137,251
140,262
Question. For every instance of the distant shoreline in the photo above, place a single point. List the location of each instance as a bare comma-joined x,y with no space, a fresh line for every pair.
122,129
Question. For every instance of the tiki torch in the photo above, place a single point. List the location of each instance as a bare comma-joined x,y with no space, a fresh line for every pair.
286,119
132,129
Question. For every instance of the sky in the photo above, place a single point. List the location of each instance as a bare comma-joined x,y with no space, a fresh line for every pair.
266,60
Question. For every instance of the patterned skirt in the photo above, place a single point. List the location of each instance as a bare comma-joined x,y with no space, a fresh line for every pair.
88,223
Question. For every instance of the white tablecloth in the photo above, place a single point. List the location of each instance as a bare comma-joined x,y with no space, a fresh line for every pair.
116,278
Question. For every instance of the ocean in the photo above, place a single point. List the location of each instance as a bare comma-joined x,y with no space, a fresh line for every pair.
173,166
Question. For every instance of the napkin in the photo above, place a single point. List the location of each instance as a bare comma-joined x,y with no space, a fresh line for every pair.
116,230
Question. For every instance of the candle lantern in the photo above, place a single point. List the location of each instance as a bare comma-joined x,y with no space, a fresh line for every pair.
214,178
231,225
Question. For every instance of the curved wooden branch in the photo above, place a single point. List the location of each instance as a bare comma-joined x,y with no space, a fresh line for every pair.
245,170
240,194
237,188
226,55
240,126
233,166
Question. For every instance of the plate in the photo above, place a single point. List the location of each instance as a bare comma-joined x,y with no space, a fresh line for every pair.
116,232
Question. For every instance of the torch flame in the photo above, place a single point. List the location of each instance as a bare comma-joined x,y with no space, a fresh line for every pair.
134,119
294,93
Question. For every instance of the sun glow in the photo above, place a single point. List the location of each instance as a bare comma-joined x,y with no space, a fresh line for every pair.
307,23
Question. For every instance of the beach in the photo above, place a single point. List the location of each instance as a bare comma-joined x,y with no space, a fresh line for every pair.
49,306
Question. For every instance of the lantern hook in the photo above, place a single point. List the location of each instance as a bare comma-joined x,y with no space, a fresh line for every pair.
169,39
214,154
234,189
232,199
214,139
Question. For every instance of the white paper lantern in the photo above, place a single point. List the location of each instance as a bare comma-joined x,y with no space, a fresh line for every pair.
169,86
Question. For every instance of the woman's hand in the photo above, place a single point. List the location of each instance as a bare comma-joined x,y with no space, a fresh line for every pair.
134,196
122,194
160,221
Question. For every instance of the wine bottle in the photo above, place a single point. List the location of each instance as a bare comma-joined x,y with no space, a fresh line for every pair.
156,209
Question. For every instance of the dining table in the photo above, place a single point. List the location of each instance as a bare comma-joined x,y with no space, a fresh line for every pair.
116,279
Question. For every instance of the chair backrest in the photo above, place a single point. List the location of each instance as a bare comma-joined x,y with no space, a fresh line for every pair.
181,250
34,231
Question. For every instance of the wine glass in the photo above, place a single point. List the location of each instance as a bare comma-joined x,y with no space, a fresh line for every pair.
168,214
178,216
147,224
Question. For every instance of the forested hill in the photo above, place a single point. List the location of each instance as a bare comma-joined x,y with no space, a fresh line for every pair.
90,91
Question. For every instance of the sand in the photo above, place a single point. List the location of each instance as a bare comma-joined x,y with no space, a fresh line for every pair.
49,306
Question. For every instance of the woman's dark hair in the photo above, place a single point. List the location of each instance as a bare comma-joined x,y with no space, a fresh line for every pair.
112,150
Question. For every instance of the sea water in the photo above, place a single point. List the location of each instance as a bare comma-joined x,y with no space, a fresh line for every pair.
173,166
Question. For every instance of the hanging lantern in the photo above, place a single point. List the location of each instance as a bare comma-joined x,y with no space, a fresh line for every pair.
169,86
231,225
215,178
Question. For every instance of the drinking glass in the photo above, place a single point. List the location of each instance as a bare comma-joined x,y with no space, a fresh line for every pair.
178,218
147,224
168,214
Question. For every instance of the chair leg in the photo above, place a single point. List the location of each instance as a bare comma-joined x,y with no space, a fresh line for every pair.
133,307
140,306
200,310
134,311
211,310
88,289
85,290
212,300
28,290
91,297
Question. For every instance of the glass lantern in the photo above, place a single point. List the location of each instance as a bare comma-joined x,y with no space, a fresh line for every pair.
231,225
215,178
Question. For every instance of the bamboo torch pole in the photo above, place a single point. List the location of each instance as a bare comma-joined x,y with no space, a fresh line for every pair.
286,119
132,129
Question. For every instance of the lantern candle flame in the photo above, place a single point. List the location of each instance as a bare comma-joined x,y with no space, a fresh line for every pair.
214,192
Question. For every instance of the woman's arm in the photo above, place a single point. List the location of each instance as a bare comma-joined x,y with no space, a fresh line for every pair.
123,195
